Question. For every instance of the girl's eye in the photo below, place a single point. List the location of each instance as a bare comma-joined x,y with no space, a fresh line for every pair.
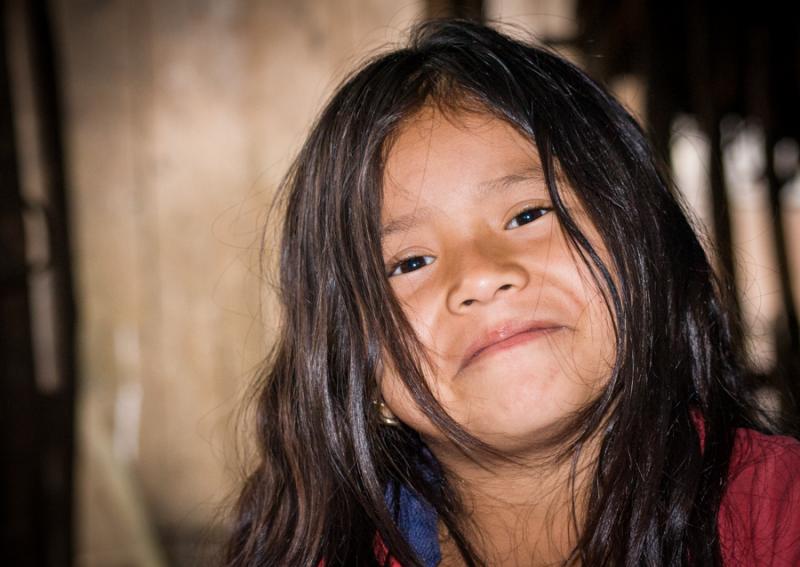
410,264
526,216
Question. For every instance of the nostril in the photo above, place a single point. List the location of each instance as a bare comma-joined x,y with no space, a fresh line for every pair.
468,302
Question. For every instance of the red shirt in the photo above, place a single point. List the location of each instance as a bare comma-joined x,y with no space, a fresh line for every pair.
759,517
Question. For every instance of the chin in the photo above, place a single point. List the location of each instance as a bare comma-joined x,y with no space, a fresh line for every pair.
527,439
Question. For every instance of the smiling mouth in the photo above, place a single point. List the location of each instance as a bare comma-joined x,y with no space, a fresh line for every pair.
514,340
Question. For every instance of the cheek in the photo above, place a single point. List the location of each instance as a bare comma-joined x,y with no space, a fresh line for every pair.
594,344
393,389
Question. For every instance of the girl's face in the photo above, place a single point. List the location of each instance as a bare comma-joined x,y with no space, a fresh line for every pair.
517,332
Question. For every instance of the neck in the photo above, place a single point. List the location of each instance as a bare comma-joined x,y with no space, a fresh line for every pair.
525,513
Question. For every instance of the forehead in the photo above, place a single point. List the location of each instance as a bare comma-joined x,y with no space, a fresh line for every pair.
438,159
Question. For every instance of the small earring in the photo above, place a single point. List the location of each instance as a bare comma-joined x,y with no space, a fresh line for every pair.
385,415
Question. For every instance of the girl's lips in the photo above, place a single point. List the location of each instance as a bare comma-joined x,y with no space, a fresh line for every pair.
504,337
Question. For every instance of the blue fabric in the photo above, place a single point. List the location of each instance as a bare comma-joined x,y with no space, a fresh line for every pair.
417,521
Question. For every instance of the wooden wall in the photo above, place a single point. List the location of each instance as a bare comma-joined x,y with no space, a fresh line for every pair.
181,117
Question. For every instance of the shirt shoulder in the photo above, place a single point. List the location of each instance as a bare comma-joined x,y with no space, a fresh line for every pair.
759,519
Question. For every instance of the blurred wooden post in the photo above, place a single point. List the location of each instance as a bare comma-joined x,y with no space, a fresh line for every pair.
18,447
37,336
775,49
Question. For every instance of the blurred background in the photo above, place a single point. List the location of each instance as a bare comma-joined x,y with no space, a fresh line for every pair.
140,144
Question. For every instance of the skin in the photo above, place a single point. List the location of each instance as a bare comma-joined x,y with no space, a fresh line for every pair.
471,243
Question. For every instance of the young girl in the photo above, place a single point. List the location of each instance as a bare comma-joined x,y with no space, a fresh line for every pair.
502,343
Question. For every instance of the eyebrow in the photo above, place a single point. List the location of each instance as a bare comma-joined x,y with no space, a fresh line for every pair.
481,191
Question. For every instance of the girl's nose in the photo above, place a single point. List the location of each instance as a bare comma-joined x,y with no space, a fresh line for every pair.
482,277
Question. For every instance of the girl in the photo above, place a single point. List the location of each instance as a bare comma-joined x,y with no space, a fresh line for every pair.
502,343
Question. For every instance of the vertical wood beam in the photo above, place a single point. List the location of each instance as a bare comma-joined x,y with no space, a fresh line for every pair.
38,341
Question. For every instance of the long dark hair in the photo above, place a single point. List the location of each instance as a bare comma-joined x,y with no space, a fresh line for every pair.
325,460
